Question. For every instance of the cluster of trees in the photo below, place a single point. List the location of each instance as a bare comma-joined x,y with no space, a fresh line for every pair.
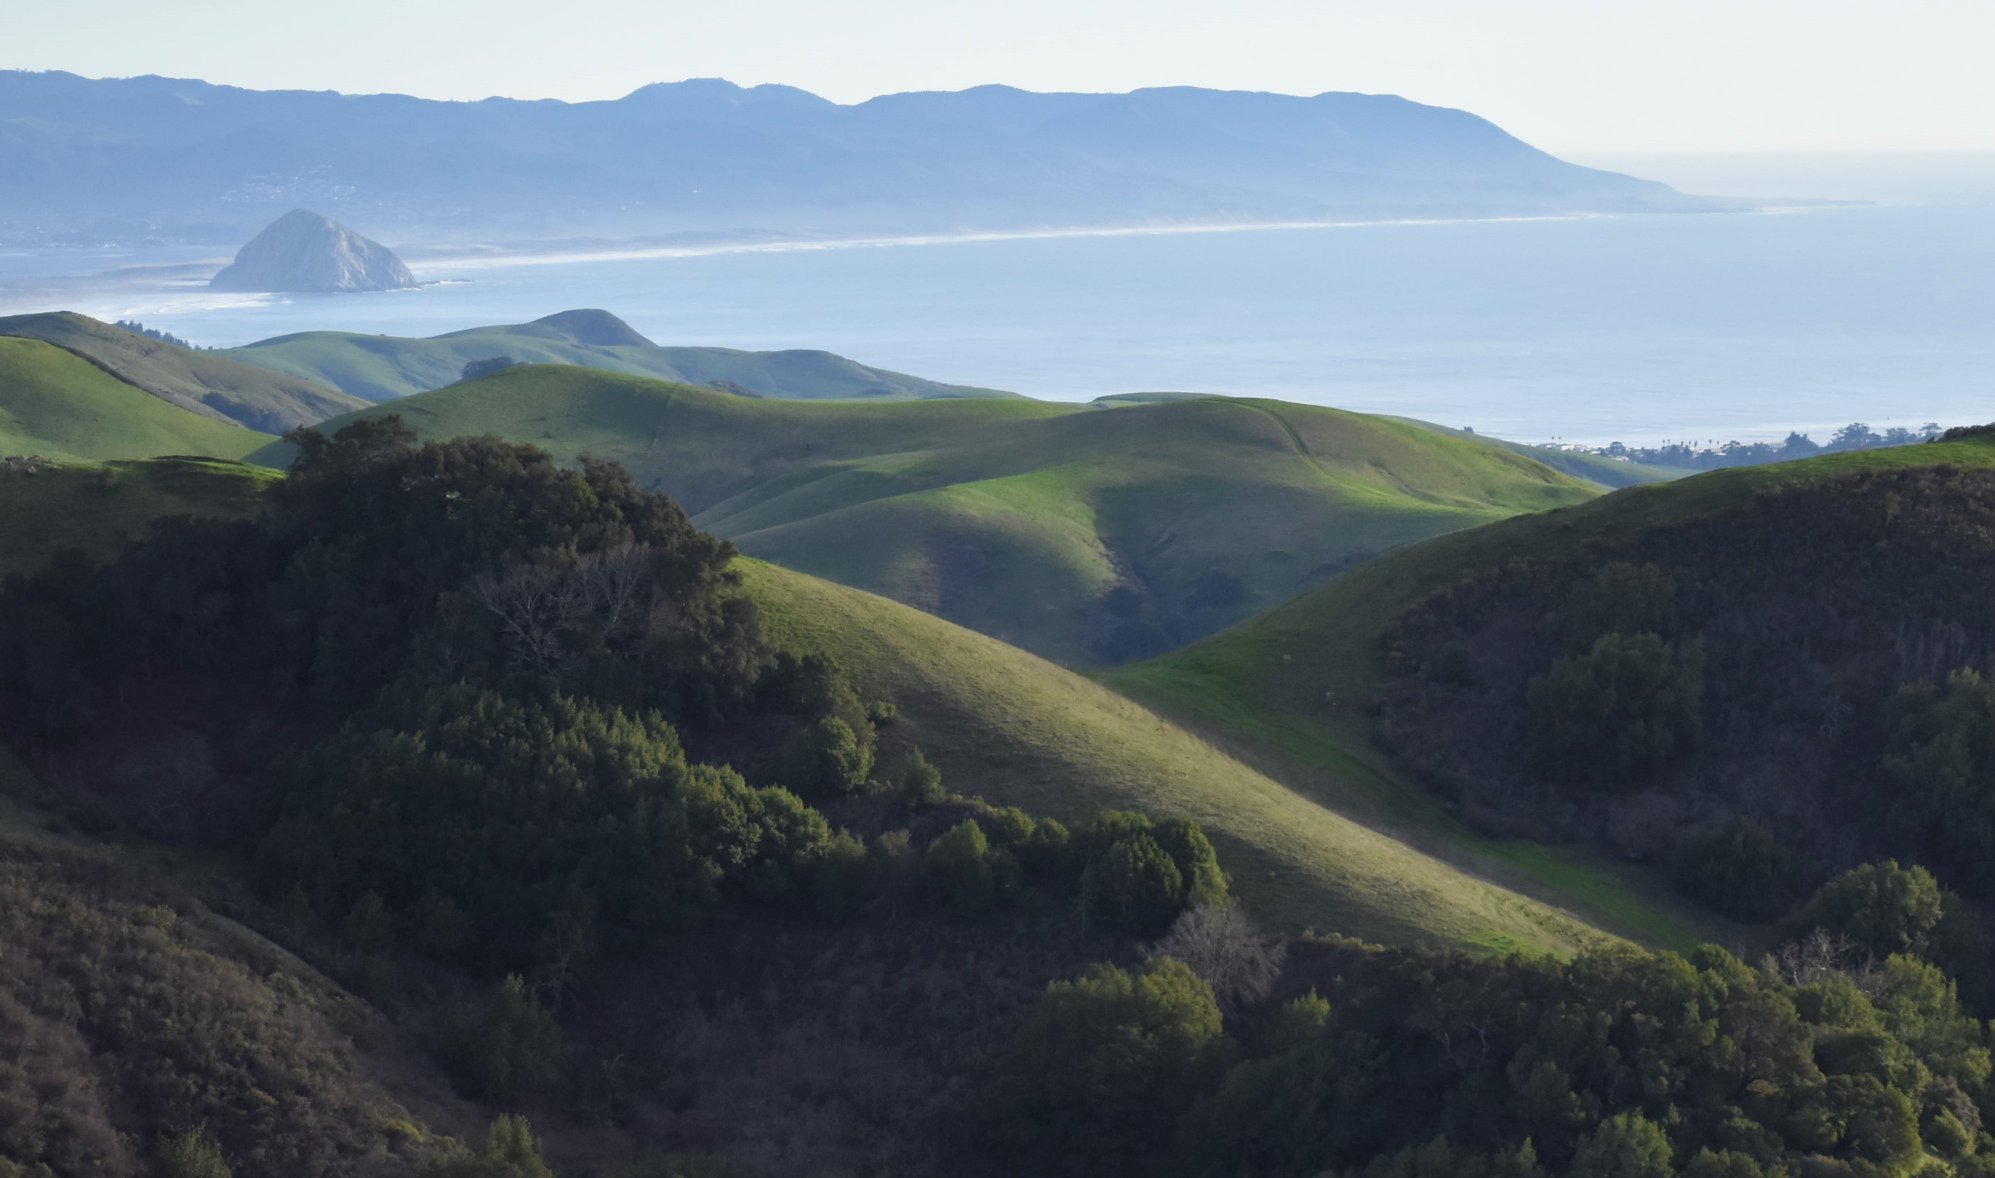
1417,1063
1753,697
1133,876
137,328
1857,435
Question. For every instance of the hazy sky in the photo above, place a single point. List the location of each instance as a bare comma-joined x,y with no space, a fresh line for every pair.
1569,75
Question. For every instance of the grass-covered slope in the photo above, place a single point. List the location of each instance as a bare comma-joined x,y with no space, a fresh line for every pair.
206,383
1082,534
95,509
381,368
1020,731
56,404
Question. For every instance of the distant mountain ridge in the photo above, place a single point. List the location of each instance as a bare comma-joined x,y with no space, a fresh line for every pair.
164,159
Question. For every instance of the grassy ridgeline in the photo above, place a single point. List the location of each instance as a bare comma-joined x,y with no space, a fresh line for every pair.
205,383
1083,535
64,408
61,406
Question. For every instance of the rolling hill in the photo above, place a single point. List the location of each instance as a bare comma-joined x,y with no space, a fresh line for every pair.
1020,731
205,383
1081,534
59,405
381,368
1292,690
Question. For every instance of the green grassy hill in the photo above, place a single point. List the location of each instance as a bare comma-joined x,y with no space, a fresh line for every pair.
1290,689
206,383
59,405
381,368
1020,731
1082,534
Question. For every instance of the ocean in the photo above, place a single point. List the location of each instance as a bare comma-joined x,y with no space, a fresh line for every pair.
1588,330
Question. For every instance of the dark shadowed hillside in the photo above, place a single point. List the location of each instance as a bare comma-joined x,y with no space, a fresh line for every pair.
1750,679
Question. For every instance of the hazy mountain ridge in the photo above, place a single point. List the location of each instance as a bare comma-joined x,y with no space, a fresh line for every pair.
709,156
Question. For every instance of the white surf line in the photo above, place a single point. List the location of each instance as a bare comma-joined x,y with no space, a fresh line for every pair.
502,260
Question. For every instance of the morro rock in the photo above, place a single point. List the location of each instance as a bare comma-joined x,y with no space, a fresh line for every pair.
302,251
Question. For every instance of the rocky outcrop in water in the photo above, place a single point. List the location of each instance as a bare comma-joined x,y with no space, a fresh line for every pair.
305,252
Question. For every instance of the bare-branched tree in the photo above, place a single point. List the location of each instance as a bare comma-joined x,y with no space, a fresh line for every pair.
1222,946
1823,954
537,607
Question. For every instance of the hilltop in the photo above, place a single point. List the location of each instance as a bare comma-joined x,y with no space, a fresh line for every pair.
179,159
1082,534
306,252
380,368
207,384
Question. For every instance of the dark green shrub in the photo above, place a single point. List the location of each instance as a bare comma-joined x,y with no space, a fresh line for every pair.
1616,713
1881,908
1133,887
192,1154
1741,870
957,869
509,1152
514,1049
1104,1066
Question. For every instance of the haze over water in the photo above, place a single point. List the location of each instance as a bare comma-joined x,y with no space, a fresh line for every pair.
1639,329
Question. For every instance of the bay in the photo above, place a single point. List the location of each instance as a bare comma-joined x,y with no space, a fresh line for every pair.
1639,329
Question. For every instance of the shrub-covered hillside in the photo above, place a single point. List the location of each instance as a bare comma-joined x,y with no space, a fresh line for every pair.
1759,694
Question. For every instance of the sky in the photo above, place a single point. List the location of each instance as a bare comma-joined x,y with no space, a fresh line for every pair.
1571,76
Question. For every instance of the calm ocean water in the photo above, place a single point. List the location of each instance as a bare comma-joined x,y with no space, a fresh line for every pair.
1639,329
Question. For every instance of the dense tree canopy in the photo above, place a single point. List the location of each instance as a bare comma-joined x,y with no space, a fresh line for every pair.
1414,1063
